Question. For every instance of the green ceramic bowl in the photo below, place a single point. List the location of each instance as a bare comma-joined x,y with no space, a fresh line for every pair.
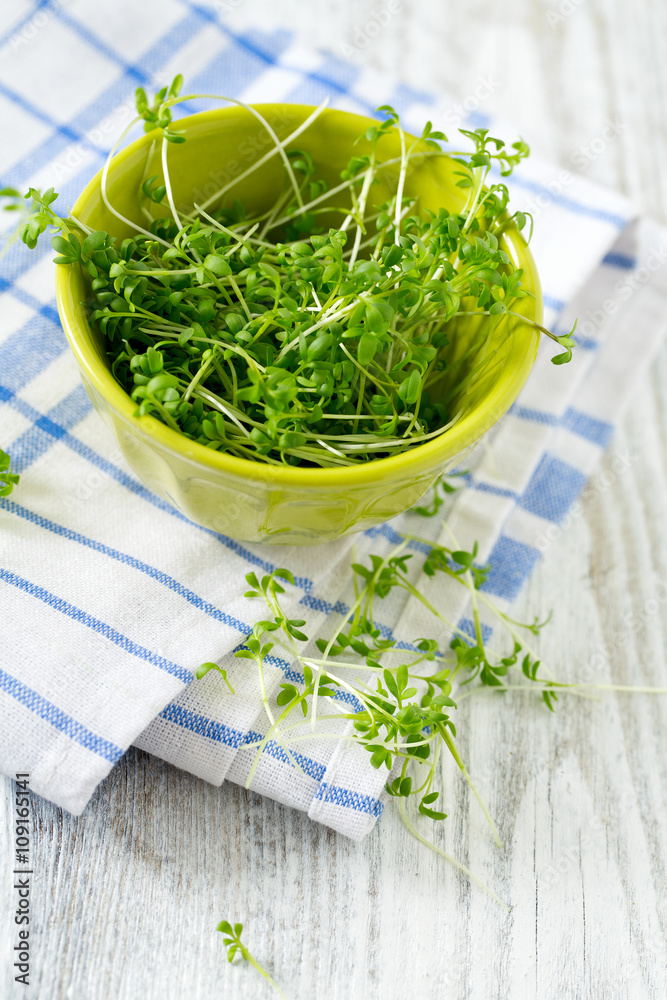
247,500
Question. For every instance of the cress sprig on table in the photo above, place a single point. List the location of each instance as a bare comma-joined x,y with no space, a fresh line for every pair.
234,945
401,703
273,338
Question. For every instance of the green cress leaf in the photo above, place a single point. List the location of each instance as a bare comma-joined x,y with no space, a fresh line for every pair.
234,944
8,479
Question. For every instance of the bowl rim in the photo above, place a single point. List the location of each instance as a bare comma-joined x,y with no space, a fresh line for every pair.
455,440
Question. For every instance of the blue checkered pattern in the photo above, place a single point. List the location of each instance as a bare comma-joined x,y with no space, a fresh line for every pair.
102,623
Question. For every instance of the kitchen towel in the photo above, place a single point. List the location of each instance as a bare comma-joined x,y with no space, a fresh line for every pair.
109,597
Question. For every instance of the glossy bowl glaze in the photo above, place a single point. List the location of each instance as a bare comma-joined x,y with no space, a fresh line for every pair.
248,500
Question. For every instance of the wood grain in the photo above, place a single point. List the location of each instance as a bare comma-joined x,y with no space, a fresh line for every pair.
127,896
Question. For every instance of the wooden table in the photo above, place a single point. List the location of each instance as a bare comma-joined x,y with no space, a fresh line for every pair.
127,896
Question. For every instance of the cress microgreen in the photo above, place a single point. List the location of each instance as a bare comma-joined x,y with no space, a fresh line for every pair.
401,703
234,945
280,339
14,196
8,479
204,669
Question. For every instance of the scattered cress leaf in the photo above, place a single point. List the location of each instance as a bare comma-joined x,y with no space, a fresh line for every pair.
234,946
8,479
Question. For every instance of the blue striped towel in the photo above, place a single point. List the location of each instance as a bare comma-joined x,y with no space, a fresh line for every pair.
102,622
